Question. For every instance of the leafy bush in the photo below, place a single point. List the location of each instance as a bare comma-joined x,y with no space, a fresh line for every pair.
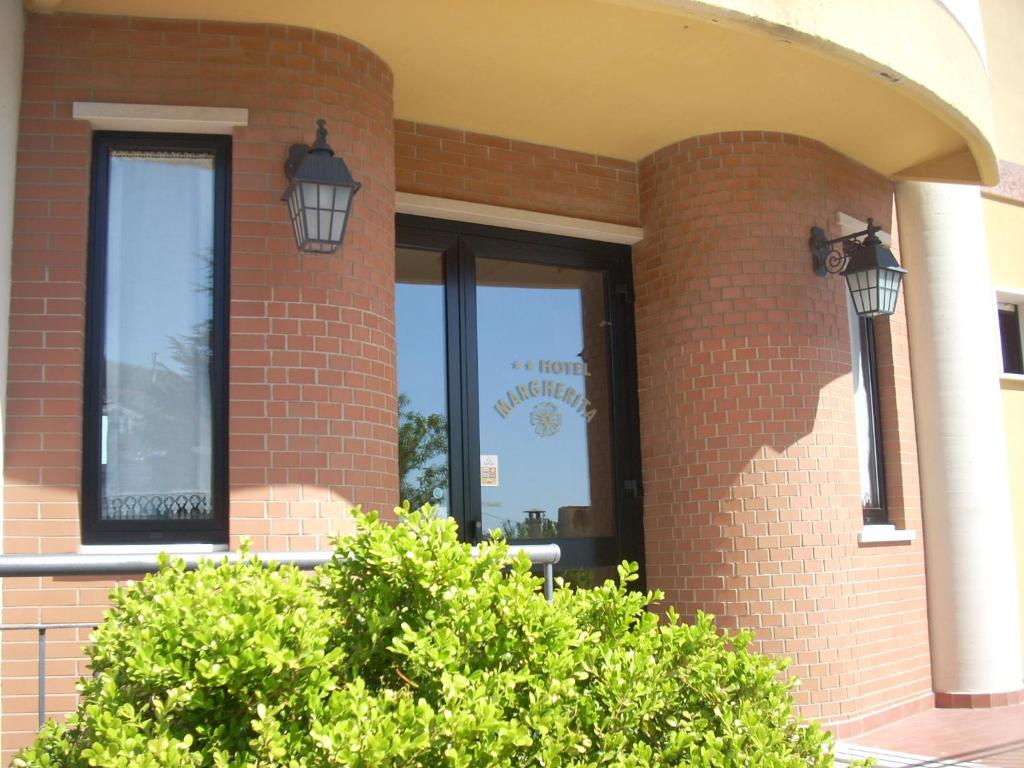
408,650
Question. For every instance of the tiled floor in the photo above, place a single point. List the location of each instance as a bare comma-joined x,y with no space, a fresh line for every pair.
987,737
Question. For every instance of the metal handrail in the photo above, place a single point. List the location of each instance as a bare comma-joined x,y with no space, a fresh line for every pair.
544,555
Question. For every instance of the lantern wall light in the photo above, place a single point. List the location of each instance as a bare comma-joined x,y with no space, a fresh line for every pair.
872,273
319,194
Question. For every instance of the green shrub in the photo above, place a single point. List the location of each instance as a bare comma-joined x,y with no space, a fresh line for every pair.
408,650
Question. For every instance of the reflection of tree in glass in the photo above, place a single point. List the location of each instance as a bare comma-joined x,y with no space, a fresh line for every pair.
193,351
146,419
422,441
581,578
159,414
530,529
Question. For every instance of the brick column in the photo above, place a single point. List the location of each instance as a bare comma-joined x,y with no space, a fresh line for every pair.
747,418
312,401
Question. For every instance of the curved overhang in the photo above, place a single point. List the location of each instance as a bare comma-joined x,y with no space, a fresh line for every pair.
906,96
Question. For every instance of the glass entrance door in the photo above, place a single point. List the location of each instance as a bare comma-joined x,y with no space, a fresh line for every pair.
517,388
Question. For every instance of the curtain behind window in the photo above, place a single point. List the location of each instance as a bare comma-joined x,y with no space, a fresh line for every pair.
156,455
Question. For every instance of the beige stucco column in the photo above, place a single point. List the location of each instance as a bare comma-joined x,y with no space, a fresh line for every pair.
968,529
12,29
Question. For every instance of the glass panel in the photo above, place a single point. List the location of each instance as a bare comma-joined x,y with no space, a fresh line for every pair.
341,198
860,291
865,395
337,219
156,429
422,386
1010,339
545,415
298,221
323,229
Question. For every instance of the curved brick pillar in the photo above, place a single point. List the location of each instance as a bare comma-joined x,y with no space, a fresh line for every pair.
313,408
312,376
747,417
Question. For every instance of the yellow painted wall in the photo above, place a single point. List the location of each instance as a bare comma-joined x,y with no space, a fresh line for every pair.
1004,25
1004,225
1004,231
1013,409
1004,31
1003,22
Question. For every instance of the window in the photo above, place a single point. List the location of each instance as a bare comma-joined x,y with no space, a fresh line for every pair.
868,418
516,378
1010,338
154,433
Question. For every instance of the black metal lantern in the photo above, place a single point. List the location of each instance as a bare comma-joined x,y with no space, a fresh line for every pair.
872,273
319,194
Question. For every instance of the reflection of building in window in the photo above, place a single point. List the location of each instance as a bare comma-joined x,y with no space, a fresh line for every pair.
598,517
154,458
868,417
1010,338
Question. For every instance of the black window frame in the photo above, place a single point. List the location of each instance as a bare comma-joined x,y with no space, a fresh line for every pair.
869,360
458,241
96,530
1010,338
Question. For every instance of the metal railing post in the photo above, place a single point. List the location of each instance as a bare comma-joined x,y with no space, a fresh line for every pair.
544,555
42,675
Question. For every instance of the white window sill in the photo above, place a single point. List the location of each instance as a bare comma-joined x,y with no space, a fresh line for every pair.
152,549
884,534
1011,377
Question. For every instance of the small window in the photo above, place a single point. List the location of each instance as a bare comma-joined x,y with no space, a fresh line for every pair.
154,453
868,418
1010,338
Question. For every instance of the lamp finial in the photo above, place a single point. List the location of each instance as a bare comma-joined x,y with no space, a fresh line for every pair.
321,145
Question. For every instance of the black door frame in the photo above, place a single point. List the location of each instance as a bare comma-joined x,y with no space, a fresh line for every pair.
459,241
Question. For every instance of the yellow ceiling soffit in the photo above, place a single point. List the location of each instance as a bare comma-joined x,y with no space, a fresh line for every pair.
622,78
957,167
974,163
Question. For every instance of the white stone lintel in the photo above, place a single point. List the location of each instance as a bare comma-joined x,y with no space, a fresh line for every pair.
515,218
106,116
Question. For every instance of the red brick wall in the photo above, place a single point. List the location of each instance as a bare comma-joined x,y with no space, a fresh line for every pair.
312,376
747,414
752,503
462,165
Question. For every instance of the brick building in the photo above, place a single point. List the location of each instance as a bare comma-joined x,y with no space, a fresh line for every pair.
574,302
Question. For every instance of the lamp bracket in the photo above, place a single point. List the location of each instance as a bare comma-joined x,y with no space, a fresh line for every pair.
828,260
296,154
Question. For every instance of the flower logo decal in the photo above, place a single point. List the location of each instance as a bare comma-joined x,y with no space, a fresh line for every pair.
546,419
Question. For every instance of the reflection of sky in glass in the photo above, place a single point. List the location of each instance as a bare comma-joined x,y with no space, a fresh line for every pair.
529,325
419,313
514,324
160,243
